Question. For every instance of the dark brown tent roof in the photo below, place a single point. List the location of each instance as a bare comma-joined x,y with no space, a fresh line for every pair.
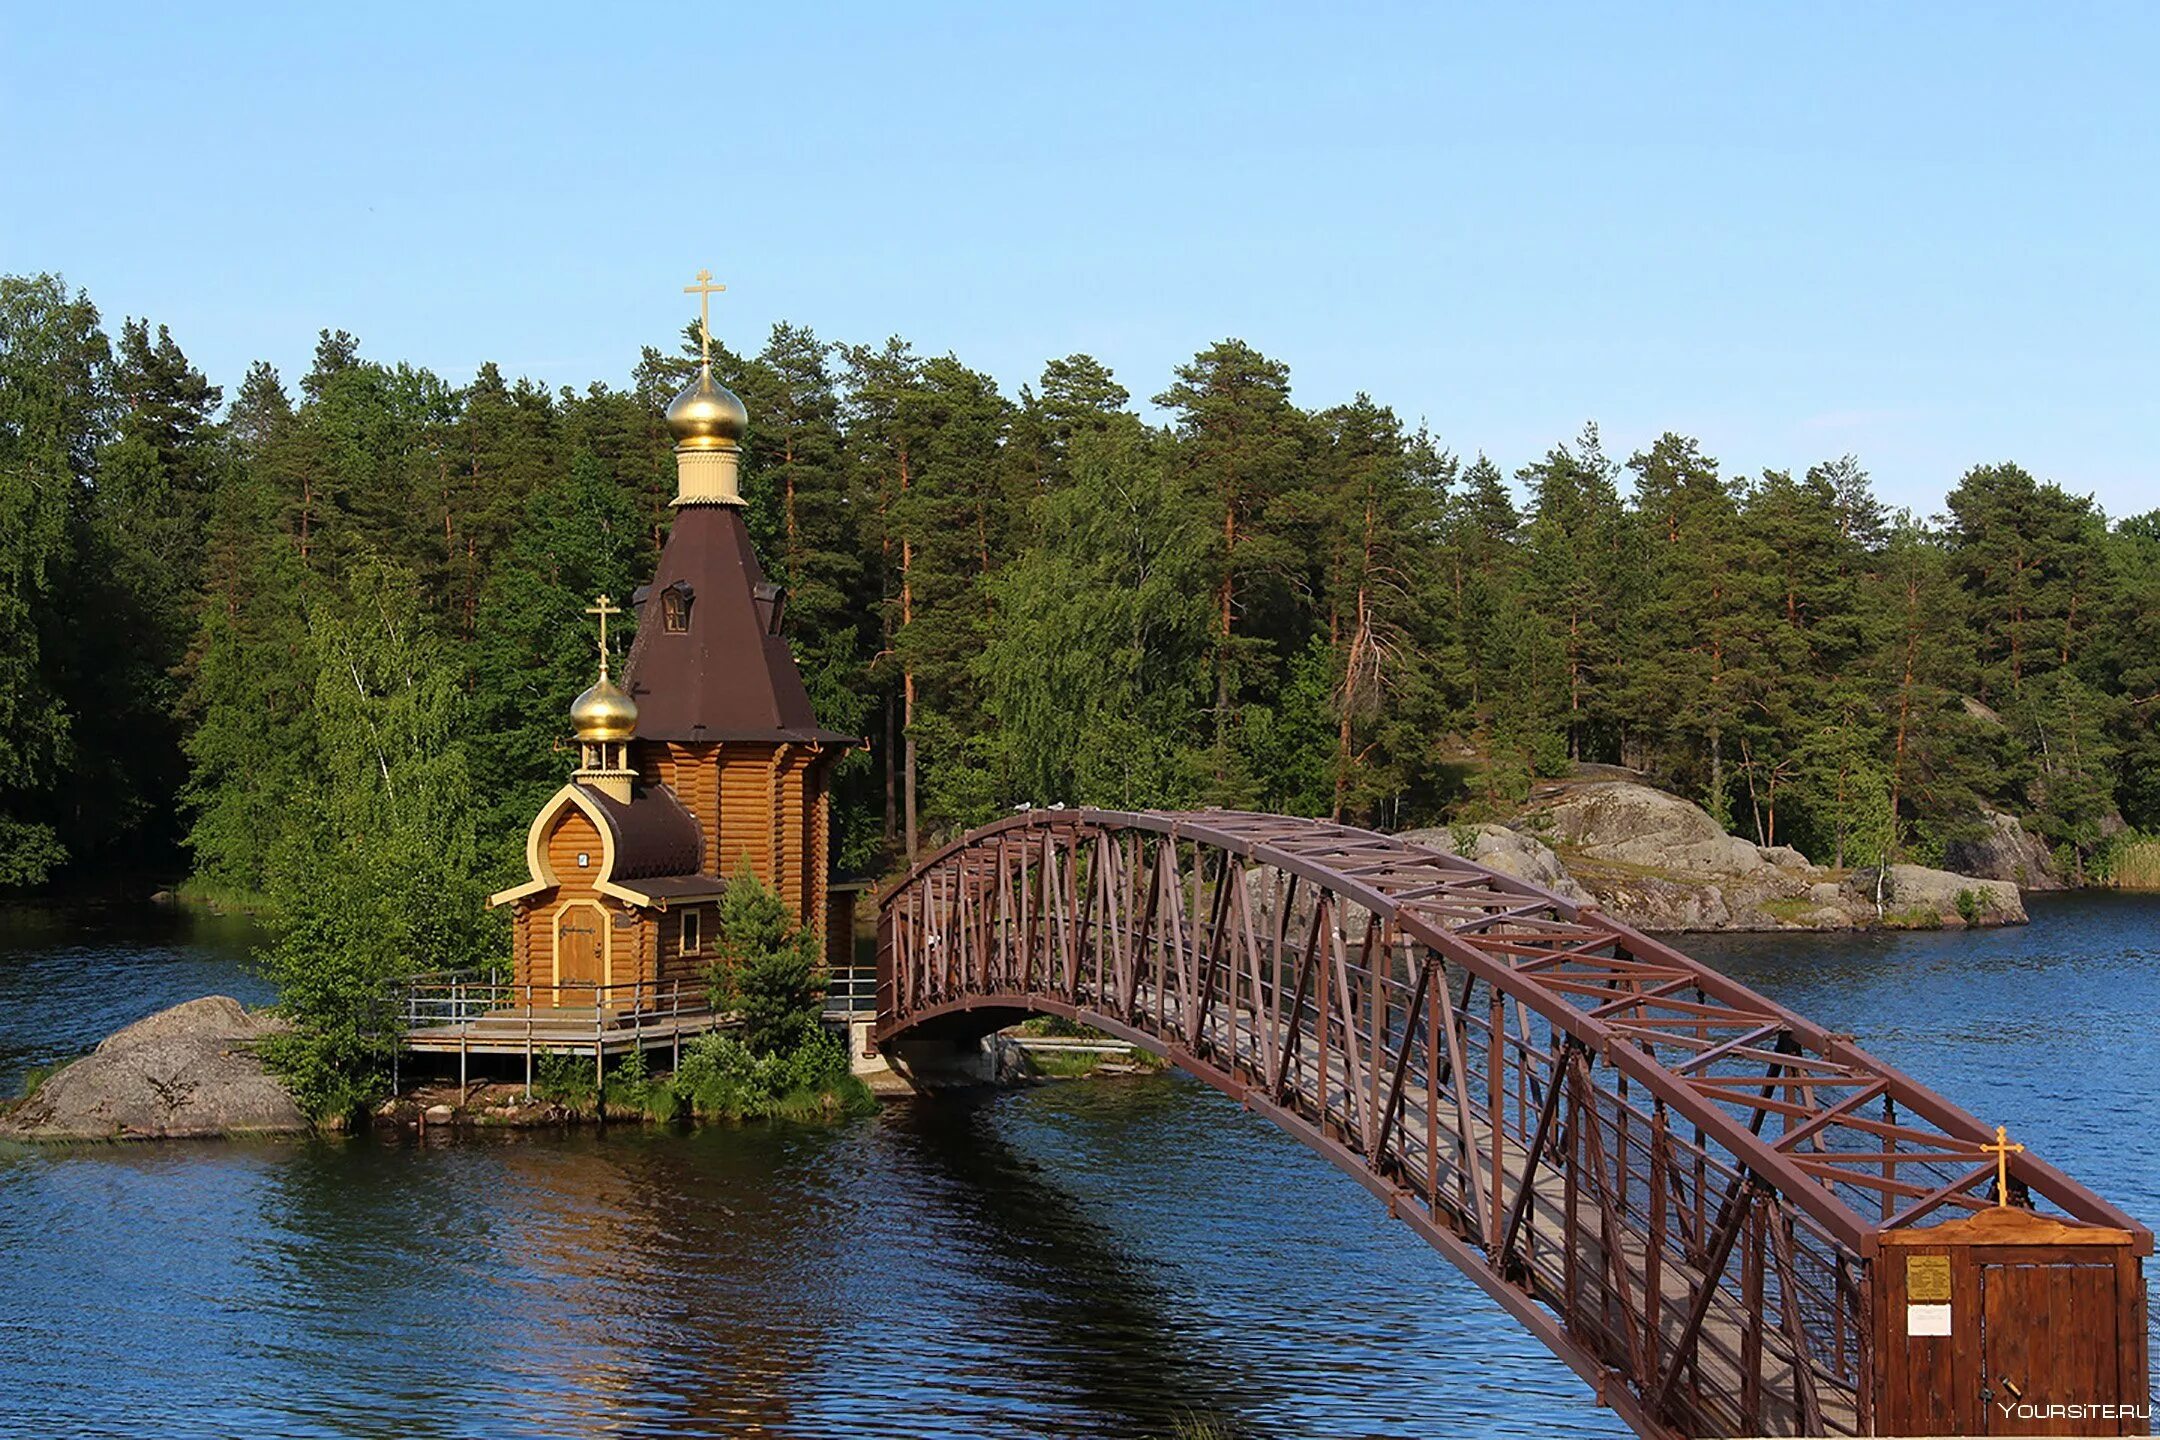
729,675
654,835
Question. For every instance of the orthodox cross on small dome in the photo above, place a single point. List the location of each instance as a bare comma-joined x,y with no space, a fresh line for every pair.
2002,1150
603,607
704,290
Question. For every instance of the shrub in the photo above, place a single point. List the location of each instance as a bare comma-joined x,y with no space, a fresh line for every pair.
721,1078
563,1079
663,1104
1968,907
768,969
333,1071
1058,1027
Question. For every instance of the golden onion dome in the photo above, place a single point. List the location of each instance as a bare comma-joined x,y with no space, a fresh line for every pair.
707,415
603,713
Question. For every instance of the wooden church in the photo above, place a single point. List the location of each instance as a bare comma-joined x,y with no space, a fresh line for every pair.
707,757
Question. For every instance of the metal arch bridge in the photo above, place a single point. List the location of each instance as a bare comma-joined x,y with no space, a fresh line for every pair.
1686,1191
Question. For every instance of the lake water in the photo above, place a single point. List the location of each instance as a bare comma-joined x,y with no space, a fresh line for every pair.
1106,1258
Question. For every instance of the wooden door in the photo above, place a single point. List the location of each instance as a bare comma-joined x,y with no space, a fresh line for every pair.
580,942
2048,1344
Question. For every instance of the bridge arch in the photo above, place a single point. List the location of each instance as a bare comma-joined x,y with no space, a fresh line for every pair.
1682,1188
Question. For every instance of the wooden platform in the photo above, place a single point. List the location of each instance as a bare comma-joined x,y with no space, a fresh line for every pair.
577,1031
464,1016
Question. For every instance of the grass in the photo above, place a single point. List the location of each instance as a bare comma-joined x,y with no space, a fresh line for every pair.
219,897
1913,917
1791,910
2135,864
1058,1027
1600,867
34,1080
1067,1064
1077,1064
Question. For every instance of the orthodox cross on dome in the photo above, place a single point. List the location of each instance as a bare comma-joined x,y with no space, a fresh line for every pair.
603,607
2002,1150
704,290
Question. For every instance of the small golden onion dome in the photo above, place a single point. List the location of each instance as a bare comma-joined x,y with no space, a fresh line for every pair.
603,713
707,416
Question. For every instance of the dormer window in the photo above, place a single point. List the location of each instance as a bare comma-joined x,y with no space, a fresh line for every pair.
674,610
771,603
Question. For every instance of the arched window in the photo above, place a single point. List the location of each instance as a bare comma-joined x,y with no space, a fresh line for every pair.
674,611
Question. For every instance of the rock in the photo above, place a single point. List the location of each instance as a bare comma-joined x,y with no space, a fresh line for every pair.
2007,851
440,1114
1659,862
1916,888
189,1071
1508,851
1636,825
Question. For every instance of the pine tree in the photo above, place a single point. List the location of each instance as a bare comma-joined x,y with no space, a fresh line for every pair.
883,443
2066,730
1577,579
1374,513
139,571
2124,654
2023,552
1699,647
1241,445
1479,561
956,521
1942,746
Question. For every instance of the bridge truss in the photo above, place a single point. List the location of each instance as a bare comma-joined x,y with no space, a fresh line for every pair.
1679,1186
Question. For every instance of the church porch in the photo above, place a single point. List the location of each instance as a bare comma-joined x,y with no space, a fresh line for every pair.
467,1016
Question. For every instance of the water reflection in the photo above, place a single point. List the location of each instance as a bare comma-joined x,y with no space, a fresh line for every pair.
1103,1345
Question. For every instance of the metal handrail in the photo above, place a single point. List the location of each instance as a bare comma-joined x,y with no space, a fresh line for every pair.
851,990
445,998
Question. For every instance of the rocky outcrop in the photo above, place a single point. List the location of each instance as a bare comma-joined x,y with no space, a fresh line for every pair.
190,1071
1627,824
2006,851
1920,894
1661,863
1508,851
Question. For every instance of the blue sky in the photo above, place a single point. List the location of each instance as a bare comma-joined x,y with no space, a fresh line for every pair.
1922,234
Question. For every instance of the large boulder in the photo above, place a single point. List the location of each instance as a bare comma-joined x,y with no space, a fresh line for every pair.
1917,893
2006,850
1635,825
190,1071
1508,851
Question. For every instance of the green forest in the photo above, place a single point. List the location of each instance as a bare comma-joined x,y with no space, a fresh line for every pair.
314,640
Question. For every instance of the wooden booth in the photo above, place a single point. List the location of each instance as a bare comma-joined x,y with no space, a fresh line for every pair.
2010,1323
